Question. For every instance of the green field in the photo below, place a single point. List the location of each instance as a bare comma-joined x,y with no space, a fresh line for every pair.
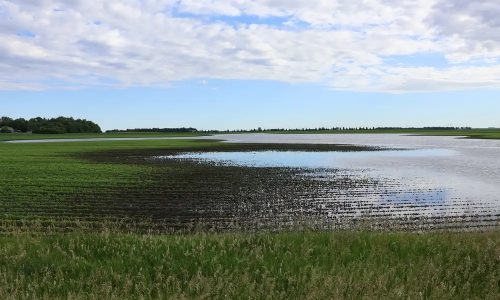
472,133
342,265
64,235
28,136
47,184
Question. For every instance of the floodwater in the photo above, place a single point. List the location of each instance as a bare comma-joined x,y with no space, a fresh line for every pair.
476,160
307,159
433,178
419,181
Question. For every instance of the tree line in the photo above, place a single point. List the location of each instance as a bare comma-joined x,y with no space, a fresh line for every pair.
180,129
339,129
48,126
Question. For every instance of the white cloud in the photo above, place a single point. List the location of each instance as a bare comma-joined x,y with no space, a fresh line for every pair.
341,44
470,29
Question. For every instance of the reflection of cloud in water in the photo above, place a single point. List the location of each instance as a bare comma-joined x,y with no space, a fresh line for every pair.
433,197
309,159
410,186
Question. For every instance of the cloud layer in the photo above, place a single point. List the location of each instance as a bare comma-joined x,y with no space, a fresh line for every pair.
370,45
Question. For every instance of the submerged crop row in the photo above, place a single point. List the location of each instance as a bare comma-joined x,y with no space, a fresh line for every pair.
92,186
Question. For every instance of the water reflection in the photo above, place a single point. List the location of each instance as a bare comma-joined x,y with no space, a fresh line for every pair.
305,159
420,187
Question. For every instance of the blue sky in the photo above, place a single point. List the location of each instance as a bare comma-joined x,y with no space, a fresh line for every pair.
231,104
230,64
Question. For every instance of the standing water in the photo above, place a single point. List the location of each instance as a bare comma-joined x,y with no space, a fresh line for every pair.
430,181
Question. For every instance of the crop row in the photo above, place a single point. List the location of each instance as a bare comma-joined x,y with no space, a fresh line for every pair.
64,189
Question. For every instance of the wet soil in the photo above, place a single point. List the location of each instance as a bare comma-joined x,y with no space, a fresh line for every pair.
185,195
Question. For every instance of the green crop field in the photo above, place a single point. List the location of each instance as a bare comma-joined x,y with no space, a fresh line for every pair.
74,223
493,133
471,133
28,136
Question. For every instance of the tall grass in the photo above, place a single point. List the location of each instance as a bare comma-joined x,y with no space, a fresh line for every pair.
309,265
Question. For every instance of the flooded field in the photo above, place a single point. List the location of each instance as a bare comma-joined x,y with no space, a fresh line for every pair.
253,182
430,182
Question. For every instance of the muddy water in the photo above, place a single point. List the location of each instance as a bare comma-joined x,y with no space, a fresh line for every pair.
439,180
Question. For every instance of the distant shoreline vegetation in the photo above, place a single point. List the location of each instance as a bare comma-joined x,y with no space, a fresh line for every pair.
191,129
435,128
41,125
61,125
181,129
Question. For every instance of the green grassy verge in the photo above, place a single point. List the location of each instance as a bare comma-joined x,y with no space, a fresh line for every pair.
472,133
343,265
27,136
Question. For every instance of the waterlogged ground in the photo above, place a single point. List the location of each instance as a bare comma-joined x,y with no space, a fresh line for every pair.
253,181
430,182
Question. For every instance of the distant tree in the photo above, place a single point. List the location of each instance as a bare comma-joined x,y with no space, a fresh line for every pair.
5,129
177,130
20,124
53,126
51,129
5,121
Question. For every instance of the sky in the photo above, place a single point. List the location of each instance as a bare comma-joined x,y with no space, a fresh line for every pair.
231,64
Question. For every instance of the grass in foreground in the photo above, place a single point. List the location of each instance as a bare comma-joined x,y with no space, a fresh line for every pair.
308,265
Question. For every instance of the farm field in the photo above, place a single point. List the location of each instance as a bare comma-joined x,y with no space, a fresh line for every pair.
93,184
476,133
74,211
472,133
28,136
